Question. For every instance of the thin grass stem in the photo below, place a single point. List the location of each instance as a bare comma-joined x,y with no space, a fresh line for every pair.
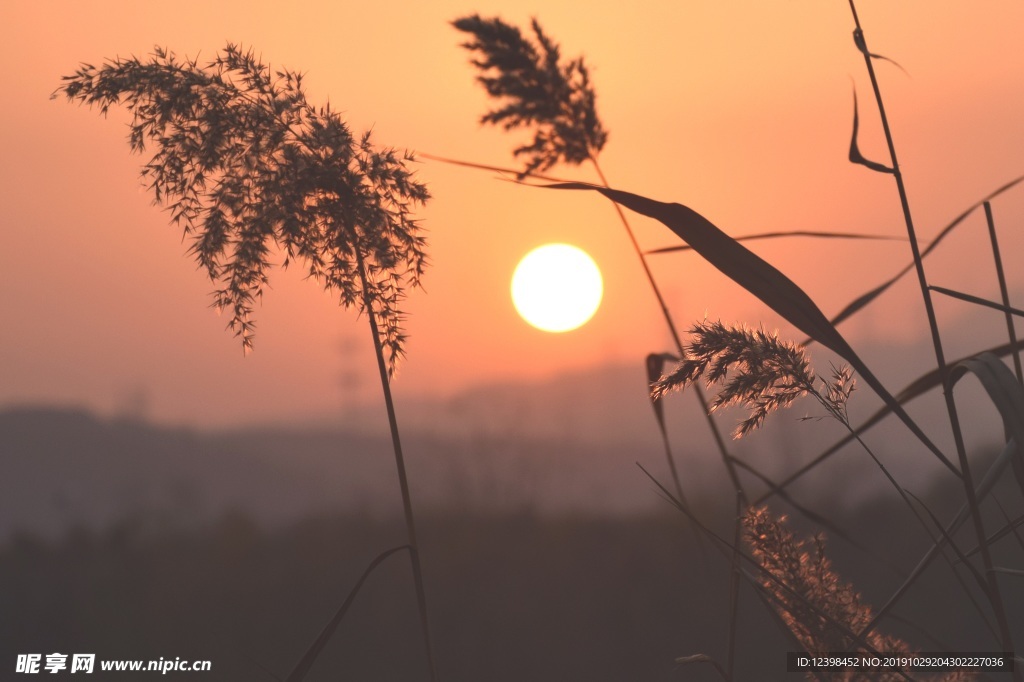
1010,329
741,495
304,665
977,300
403,480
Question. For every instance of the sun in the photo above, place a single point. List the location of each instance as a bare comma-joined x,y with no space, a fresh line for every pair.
557,287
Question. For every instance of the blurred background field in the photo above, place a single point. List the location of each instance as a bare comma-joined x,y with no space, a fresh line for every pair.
548,554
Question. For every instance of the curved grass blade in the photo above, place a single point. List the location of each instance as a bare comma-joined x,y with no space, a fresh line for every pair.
794,233
654,364
497,169
1006,394
855,155
735,261
858,40
861,301
761,279
306,662
1003,291
977,300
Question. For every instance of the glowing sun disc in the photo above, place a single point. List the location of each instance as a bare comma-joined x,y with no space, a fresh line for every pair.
557,287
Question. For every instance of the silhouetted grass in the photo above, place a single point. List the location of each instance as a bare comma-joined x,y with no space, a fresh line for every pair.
757,370
245,163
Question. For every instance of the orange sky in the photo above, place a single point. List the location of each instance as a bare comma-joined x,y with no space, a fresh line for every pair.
742,112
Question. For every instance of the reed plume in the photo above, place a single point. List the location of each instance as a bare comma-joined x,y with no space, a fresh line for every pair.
245,163
538,91
814,603
756,370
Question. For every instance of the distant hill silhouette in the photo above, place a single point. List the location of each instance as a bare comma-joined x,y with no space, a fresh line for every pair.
564,444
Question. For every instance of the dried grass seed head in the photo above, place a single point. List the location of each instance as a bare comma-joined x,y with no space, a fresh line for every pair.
755,369
538,91
813,601
244,162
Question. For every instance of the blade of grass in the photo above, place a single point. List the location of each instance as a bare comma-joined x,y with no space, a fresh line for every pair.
859,41
906,496
734,586
976,300
497,169
934,551
670,323
855,155
761,279
793,233
1008,397
948,541
306,662
1004,292
654,364
866,298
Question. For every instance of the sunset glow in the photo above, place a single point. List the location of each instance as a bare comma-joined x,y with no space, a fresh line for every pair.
703,106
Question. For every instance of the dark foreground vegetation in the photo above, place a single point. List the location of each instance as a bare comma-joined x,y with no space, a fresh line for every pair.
513,596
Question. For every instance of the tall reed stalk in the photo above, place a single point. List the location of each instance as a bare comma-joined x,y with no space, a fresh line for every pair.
403,479
245,164
992,583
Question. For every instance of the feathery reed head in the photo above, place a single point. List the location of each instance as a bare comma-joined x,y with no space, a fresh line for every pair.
556,99
809,596
244,161
756,370
816,605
